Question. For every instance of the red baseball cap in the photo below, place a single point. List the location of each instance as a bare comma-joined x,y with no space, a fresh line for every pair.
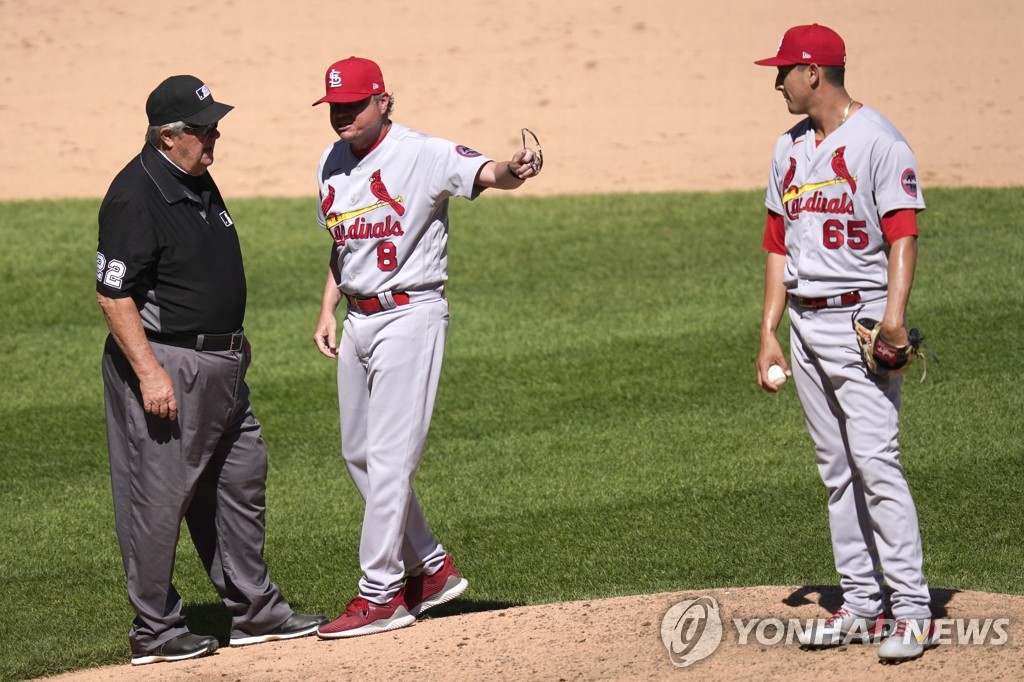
812,44
351,80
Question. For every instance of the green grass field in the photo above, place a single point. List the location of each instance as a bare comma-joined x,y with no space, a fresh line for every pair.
598,430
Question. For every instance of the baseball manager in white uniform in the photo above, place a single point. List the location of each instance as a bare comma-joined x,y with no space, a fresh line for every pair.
384,192
841,237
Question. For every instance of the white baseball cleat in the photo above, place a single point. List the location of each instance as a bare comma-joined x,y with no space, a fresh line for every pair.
909,640
843,627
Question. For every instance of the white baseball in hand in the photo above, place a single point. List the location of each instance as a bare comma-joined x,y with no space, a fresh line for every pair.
776,375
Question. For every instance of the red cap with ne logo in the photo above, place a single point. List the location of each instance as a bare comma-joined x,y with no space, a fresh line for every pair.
351,80
811,44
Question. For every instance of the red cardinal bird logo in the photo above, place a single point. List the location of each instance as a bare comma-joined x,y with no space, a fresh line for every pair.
327,201
381,192
841,171
790,174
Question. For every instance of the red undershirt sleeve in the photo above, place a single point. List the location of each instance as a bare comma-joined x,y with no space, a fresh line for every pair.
774,234
900,223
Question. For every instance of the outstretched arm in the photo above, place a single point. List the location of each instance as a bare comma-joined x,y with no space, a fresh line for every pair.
510,174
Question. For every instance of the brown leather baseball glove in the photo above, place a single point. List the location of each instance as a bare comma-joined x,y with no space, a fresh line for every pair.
883,358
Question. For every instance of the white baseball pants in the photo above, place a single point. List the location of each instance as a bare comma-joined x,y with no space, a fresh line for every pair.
853,418
389,366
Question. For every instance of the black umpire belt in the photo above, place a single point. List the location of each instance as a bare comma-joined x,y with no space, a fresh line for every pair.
849,298
201,342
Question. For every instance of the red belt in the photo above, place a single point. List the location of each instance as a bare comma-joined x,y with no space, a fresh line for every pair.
849,298
375,304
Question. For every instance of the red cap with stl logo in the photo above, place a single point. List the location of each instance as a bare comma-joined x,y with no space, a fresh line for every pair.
811,44
351,80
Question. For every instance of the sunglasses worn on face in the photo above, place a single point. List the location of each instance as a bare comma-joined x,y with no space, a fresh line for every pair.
201,131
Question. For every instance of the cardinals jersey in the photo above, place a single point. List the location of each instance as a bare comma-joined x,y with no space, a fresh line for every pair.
388,212
832,196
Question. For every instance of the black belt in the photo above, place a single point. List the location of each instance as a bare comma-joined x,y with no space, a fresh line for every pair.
201,342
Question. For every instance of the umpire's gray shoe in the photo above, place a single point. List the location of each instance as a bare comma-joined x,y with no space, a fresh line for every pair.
299,625
842,627
178,649
909,640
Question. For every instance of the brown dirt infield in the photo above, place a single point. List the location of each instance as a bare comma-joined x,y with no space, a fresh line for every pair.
608,639
645,95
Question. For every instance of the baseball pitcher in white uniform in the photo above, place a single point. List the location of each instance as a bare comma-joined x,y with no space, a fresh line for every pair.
841,236
384,192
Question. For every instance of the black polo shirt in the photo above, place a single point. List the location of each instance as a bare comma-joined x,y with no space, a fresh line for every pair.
167,241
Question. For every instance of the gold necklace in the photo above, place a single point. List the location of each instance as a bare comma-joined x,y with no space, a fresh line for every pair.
846,111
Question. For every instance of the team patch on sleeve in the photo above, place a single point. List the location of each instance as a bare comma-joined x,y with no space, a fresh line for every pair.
463,150
909,182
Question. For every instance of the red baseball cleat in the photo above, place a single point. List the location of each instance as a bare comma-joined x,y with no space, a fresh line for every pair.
426,591
362,617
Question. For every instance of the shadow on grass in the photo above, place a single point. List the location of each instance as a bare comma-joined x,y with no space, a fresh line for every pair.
830,598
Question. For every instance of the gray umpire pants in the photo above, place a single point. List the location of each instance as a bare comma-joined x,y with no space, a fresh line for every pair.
208,467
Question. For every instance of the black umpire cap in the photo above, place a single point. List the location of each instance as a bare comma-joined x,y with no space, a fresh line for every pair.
184,98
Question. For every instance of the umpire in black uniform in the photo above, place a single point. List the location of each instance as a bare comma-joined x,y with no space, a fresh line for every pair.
182,437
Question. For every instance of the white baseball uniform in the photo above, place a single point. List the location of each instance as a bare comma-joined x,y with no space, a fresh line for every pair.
388,215
832,197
